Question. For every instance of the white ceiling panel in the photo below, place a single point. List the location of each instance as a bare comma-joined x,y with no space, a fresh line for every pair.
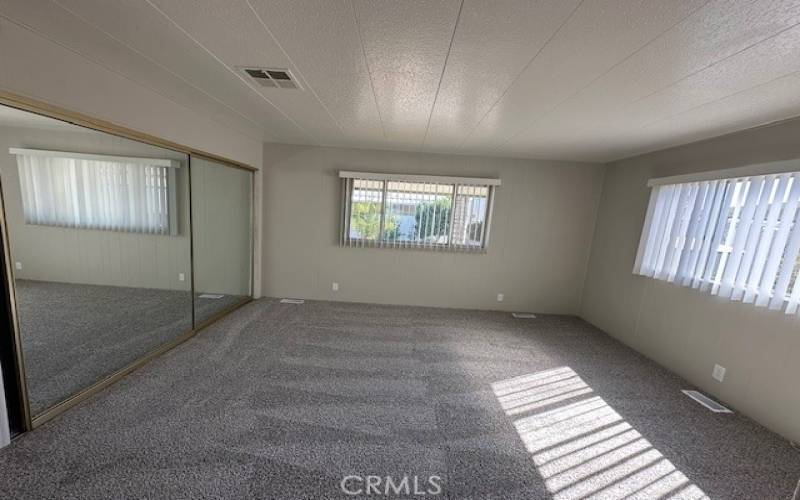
712,46
599,35
322,41
763,63
406,45
493,44
557,79
773,101
769,60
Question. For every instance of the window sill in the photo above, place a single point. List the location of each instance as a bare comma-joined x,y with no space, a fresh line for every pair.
399,246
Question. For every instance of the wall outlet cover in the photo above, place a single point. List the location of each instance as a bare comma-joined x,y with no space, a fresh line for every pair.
18,266
181,277
335,287
500,297
719,373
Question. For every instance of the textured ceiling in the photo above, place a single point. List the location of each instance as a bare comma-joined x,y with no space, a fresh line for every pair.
592,80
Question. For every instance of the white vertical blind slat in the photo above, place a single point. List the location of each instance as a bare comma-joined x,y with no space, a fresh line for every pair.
708,282
667,193
767,234
753,237
680,228
740,238
695,277
697,218
670,229
782,246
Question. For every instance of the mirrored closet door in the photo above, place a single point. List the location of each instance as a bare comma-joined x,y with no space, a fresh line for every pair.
100,249
221,218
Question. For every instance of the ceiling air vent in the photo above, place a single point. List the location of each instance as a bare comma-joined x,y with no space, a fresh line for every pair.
271,77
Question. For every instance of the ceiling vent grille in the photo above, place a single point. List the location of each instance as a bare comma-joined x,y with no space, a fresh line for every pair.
271,77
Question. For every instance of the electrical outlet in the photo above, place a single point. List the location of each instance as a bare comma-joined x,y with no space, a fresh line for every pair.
181,277
719,373
500,297
18,266
335,286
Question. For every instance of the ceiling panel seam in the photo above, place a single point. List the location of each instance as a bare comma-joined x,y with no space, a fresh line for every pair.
296,67
441,76
521,72
721,98
598,77
717,62
240,77
118,73
259,126
369,70
678,81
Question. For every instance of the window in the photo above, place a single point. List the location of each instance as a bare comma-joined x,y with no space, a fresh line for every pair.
443,213
736,238
97,192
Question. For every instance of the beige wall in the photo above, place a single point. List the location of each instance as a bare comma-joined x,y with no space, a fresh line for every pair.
541,230
88,256
685,330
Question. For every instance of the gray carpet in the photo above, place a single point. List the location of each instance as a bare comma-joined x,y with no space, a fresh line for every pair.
74,335
283,401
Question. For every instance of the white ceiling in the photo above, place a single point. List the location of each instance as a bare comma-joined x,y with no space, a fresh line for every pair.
592,80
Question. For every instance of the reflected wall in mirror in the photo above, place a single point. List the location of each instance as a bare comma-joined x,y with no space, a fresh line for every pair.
100,250
222,236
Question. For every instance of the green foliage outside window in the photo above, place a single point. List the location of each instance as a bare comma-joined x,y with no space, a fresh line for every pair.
433,218
365,220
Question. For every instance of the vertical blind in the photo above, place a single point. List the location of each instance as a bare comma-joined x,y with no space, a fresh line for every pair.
736,238
423,212
96,192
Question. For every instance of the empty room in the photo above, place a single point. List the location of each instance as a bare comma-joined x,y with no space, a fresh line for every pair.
456,249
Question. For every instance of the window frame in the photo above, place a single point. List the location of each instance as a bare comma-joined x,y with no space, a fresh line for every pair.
347,178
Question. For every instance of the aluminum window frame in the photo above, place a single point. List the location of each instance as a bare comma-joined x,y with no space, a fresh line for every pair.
348,179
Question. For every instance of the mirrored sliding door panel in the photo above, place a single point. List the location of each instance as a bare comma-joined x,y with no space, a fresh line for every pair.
222,239
99,233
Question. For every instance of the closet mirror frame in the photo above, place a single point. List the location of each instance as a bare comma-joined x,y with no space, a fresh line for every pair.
23,103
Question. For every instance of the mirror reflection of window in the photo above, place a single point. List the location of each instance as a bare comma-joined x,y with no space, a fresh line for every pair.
98,191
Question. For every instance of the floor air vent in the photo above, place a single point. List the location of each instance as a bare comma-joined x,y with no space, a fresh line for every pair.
524,315
707,402
292,301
